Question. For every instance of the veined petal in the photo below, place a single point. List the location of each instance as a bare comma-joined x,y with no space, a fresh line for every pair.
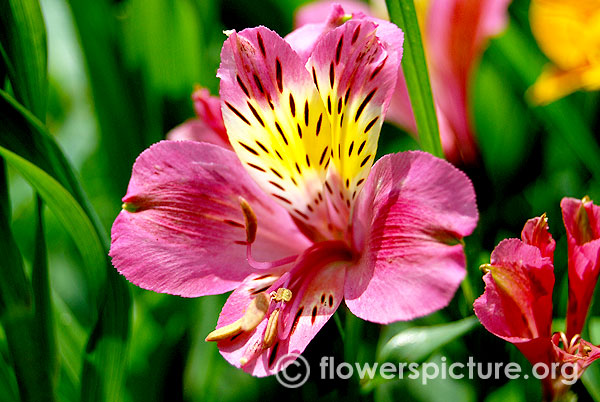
275,119
582,221
182,228
355,74
409,221
317,286
517,303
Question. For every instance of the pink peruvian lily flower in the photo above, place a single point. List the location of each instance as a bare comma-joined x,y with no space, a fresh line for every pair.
582,221
208,126
517,305
298,217
455,34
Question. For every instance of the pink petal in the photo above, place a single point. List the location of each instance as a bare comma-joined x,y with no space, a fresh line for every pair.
208,109
409,220
582,221
275,119
315,298
536,233
197,130
517,303
355,73
187,234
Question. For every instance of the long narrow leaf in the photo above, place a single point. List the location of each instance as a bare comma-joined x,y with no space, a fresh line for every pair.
23,37
42,308
414,66
68,212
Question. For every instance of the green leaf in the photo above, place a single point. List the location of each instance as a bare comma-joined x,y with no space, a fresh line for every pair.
414,65
105,362
42,308
591,380
69,213
23,39
25,135
417,343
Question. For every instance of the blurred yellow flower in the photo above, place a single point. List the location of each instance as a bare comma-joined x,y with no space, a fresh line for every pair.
568,32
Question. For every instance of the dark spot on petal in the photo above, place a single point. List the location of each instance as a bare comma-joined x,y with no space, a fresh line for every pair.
328,187
360,182
350,148
296,319
255,113
237,113
327,164
364,162
346,96
339,109
294,181
276,173
315,78
330,301
364,104
247,148
282,198
298,168
262,146
241,84
257,291
313,316
306,116
273,354
299,130
341,195
323,298
341,120
281,132
259,84
378,69
323,155
329,104
331,75
307,160
338,50
347,183
348,203
278,154
355,35
320,196
277,185
309,208
252,165
279,75
362,145
233,223
258,278
301,214
354,194
241,242
261,44
371,124
233,338
292,105
318,130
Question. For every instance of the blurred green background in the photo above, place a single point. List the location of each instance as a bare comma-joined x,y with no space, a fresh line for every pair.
120,76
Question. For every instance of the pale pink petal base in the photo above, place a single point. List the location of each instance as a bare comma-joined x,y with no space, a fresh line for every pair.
409,220
187,234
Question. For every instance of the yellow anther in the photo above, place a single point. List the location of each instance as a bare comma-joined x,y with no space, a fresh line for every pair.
250,219
271,331
225,332
255,312
129,207
282,294
485,268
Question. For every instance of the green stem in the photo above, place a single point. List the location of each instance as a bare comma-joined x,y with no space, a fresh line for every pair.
414,66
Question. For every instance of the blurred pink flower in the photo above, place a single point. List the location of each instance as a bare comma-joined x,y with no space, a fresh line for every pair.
208,126
455,34
298,218
517,303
